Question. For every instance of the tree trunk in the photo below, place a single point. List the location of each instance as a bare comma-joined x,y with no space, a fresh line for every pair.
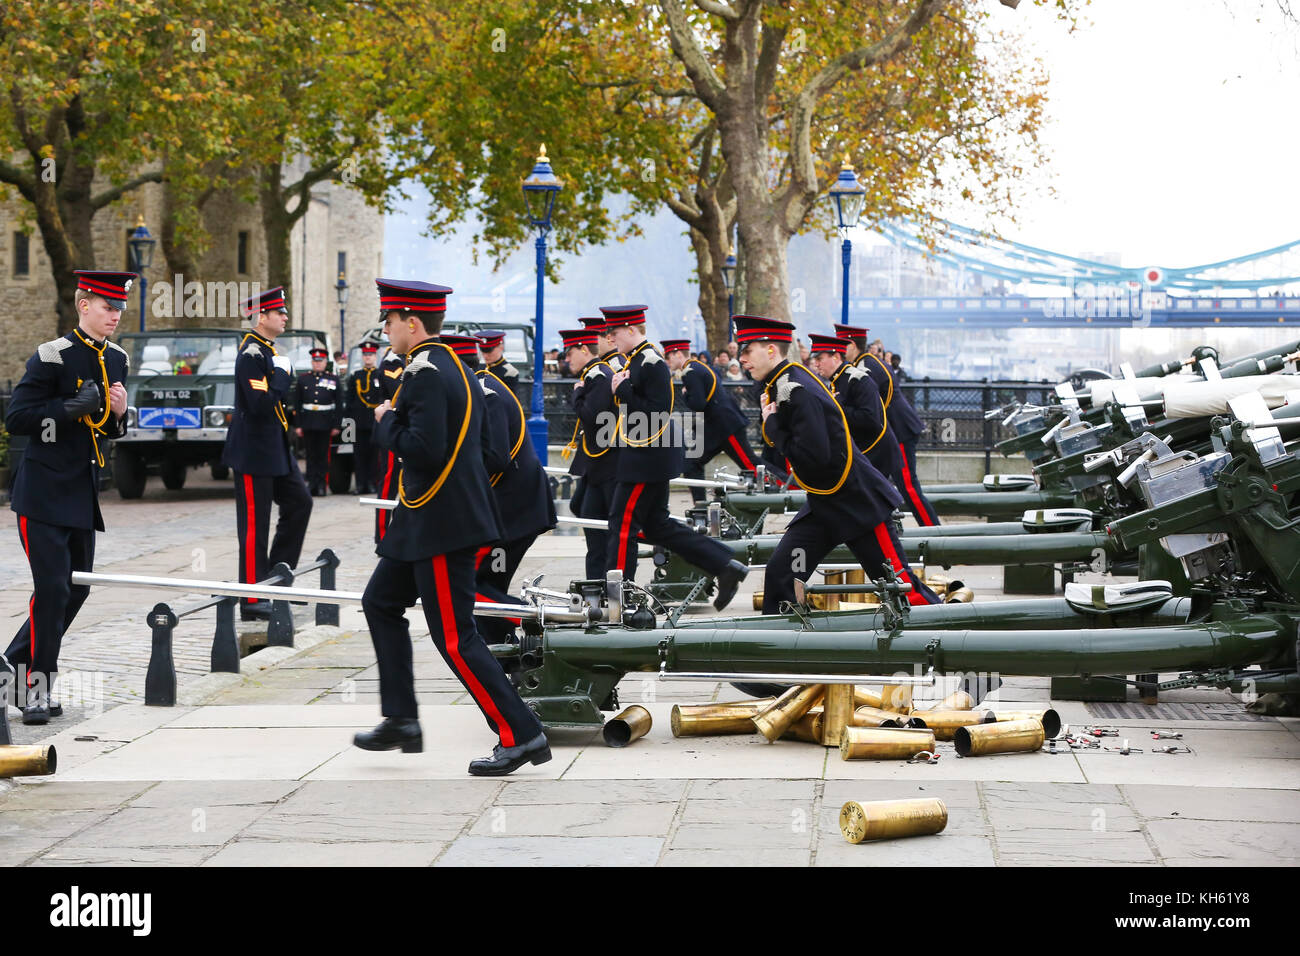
277,227
182,259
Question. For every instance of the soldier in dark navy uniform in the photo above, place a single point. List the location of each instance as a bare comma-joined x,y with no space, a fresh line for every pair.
650,454
521,488
864,407
70,402
363,393
904,422
494,357
848,501
388,468
594,453
258,452
437,425
724,422
317,418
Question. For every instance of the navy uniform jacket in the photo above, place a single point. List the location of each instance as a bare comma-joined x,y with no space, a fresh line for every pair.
868,421
439,428
522,490
390,375
504,371
595,455
321,390
257,442
650,448
363,391
57,480
809,428
905,423
703,392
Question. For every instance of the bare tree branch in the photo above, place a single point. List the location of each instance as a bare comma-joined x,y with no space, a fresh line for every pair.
708,86
719,8
117,192
19,179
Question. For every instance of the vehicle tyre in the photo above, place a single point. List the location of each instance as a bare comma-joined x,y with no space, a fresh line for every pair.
761,690
220,472
129,472
340,476
173,474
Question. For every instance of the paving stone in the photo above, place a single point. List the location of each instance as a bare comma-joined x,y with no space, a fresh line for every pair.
78,855
263,853
1113,817
533,792
1046,847
1003,793
356,825
42,824
939,849
216,793
956,794
377,797
1240,842
753,790
170,826
1213,803
576,820
736,857
784,831
48,794
552,851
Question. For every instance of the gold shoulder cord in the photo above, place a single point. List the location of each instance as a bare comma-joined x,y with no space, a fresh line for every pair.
848,439
460,440
890,397
569,450
672,394
279,406
493,479
884,413
709,398
362,397
97,427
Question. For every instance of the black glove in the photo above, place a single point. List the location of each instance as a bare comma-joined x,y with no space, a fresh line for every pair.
86,402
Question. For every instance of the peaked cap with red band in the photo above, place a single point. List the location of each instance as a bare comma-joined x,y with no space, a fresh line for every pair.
319,354
465,346
758,328
675,345
272,300
573,338
594,324
490,340
409,294
826,343
112,287
851,331
369,348
620,315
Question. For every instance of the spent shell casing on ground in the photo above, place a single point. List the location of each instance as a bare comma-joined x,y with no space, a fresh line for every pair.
27,761
883,743
1003,737
1049,718
868,716
838,705
704,720
944,723
862,820
632,724
776,718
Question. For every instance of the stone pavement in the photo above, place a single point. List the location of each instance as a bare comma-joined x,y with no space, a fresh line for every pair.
258,768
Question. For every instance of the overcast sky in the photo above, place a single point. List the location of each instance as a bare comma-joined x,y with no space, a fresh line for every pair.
1175,130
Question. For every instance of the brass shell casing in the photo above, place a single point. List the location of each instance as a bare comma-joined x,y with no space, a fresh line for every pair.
776,718
632,724
896,697
1012,736
807,728
703,720
944,723
24,761
874,743
959,596
886,819
838,704
866,697
1049,718
868,716
957,700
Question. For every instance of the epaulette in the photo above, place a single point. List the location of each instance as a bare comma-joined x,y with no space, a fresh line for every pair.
419,364
52,351
252,349
593,372
853,371
509,372
785,388
114,345
650,356
482,383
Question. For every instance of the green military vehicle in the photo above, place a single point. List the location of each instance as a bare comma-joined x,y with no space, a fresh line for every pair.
180,399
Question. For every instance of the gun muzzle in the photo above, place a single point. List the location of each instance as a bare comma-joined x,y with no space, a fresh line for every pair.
874,743
775,719
944,723
1004,737
20,761
1049,718
887,819
705,720
633,724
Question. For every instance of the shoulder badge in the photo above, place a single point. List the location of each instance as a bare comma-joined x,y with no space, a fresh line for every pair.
419,364
854,372
118,348
594,372
785,388
482,383
252,349
52,351
393,372
650,356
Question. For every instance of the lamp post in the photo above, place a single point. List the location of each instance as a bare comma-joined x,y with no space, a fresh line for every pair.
540,190
140,253
728,270
848,195
341,291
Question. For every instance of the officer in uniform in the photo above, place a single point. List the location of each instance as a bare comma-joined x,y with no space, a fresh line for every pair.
724,422
388,468
904,422
594,454
70,402
494,357
257,451
437,425
848,501
521,488
363,394
650,454
864,409
317,418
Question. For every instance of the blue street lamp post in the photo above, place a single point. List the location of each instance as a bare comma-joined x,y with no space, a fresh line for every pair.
341,291
848,195
540,190
140,253
728,271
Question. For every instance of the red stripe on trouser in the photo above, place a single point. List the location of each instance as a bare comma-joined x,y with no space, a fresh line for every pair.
626,525
887,545
31,604
387,490
487,600
922,515
250,535
451,639
478,559
749,465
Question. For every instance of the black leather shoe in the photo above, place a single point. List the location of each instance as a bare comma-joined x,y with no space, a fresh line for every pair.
37,710
393,734
255,612
504,760
56,710
729,579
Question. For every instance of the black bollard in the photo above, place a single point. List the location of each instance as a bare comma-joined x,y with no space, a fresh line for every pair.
225,642
279,632
327,613
160,679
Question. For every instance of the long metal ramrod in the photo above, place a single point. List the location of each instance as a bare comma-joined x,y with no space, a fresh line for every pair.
544,613
388,504
679,482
